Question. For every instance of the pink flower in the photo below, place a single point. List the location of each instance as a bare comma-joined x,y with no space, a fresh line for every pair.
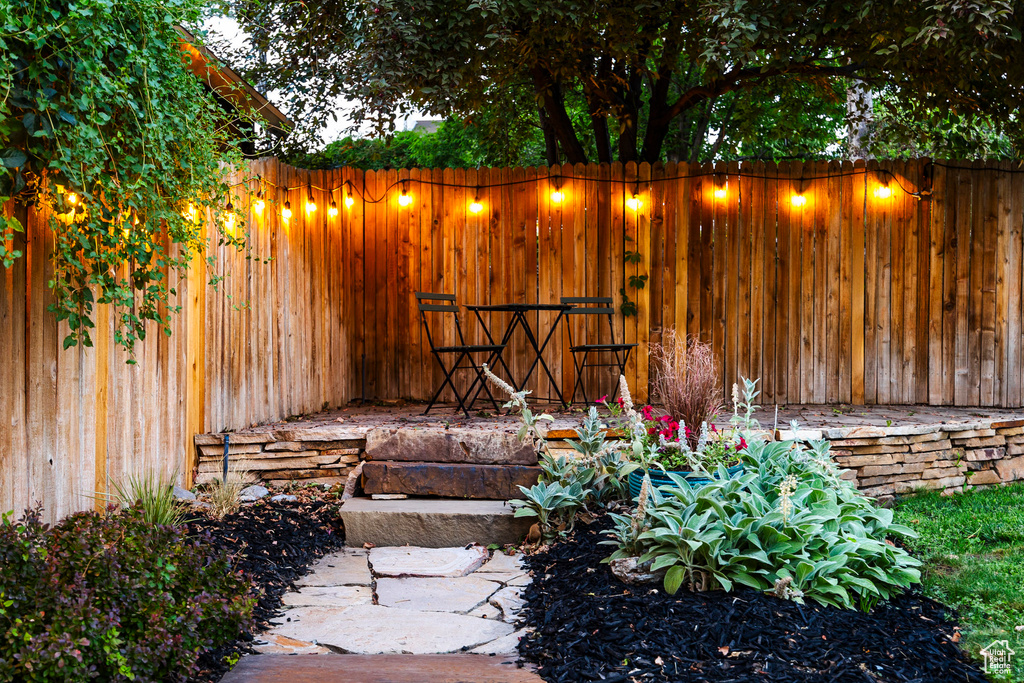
688,432
647,412
674,426
622,404
742,444
666,433
665,418
603,399
651,431
714,429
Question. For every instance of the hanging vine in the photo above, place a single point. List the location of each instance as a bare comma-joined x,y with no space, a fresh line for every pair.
102,123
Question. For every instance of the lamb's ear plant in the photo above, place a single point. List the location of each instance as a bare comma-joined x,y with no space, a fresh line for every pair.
788,526
554,505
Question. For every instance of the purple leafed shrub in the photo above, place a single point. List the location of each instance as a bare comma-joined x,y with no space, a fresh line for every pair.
112,598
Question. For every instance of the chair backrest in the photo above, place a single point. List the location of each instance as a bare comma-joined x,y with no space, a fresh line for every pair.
422,299
591,305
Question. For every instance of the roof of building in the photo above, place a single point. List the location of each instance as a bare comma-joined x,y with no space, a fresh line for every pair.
229,85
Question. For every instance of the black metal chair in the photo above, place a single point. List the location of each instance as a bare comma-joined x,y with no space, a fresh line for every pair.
460,351
582,306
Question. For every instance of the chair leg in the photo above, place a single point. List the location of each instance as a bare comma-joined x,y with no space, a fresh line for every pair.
579,379
437,393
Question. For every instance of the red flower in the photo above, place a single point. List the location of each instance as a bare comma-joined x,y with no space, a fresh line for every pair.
714,429
688,432
647,412
742,444
651,431
666,433
620,402
665,418
674,426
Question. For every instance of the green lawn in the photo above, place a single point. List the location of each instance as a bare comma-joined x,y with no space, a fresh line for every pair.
973,548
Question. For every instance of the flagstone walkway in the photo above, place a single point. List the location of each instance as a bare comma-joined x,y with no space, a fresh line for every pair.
403,600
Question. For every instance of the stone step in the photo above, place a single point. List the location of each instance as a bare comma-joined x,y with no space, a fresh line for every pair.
378,669
476,446
431,523
450,480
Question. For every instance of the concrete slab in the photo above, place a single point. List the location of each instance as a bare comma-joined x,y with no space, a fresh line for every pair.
347,567
417,561
435,595
431,523
335,668
506,645
372,629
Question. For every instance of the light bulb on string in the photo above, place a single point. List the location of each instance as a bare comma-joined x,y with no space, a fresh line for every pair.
404,199
720,193
332,210
798,200
349,201
229,219
634,202
310,202
71,198
286,212
476,206
557,196
258,205
883,192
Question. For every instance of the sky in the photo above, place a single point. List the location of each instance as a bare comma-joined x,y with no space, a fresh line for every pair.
226,28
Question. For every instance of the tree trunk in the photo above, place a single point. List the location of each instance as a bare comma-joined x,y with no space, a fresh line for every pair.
554,105
859,116
599,124
550,142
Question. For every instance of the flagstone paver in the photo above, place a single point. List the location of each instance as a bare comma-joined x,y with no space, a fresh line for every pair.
412,561
329,596
348,567
403,600
434,594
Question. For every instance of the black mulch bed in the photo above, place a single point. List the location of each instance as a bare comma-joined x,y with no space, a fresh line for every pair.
274,544
589,626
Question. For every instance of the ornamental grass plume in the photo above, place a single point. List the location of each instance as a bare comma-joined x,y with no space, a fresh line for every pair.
686,380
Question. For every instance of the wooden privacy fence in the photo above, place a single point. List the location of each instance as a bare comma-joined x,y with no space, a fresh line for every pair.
841,296
829,281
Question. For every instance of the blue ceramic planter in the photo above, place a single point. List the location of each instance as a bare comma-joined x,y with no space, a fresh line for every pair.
659,478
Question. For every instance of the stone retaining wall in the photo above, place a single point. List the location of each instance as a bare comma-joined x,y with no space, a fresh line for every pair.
885,461
881,461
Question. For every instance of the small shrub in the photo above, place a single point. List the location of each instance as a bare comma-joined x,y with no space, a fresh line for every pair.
224,494
112,598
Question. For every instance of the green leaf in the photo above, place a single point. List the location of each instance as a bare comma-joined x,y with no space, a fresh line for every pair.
13,158
674,579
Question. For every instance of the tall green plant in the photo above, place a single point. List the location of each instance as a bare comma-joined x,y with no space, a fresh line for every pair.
102,123
153,493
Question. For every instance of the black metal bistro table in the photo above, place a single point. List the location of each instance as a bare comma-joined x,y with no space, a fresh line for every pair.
519,319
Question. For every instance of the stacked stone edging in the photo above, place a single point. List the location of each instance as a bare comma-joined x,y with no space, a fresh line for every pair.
322,455
886,461
881,461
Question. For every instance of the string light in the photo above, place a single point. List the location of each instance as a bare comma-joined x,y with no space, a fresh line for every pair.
635,202
883,191
720,193
229,219
258,205
310,202
332,210
798,200
557,196
476,206
286,212
71,198
349,201
404,199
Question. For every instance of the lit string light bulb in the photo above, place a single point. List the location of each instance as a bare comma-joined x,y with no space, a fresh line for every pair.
286,212
798,200
332,210
720,193
476,206
310,202
557,196
229,219
634,202
349,201
883,192
71,198
404,199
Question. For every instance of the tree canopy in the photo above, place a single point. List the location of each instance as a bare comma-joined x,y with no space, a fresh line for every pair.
651,78
101,121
